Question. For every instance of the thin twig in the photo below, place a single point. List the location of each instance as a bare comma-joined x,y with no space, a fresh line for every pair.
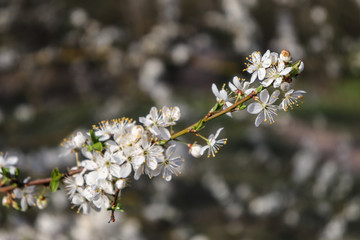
43,181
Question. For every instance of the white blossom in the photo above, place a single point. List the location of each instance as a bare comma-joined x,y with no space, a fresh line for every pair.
240,87
257,66
291,98
170,165
27,196
264,107
155,123
213,145
275,74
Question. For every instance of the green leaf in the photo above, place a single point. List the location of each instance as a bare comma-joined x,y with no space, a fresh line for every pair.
98,146
241,107
259,88
198,126
55,179
93,137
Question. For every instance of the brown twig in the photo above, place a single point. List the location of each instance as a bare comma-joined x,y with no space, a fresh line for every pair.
43,181
113,205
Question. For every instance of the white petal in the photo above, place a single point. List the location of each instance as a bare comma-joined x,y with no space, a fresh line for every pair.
153,113
267,82
167,175
274,96
151,163
266,55
11,160
164,133
277,82
91,178
138,160
139,172
215,90
170,150
89,165
259,119
254,108
266,63
115,170
125,170
261,73
79,180
218,132
223,95
264,96
255,57
236,82
77,199
253,77
232,87
286,71
203,149
23,204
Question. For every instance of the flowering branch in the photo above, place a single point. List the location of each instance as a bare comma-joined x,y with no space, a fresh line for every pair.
114,151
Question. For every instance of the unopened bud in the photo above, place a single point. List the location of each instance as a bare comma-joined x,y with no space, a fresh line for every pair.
285,56
195,150
285,86
120,184
41,202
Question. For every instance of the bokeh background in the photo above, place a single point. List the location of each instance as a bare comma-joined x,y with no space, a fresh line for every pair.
66,65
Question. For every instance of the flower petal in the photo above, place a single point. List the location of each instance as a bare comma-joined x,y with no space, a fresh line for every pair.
259,119
274,96
264,96
254,108
261,73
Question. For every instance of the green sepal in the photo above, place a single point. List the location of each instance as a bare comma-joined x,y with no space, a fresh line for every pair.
241,107
217,106
162,142
198,126
93,137
98,146
259,88
55,179
295,69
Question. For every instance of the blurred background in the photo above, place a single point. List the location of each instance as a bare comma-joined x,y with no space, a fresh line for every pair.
66,65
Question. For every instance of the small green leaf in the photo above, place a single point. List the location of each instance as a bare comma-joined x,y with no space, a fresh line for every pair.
6,172
198,126
259,88
93,137
55,179
241,107
98,146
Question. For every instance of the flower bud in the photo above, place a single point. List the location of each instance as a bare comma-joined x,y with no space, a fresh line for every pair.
195,150
120,184
41,202
285,86
285,56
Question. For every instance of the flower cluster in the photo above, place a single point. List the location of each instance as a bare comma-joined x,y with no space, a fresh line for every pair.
117,149
114,151
271,70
